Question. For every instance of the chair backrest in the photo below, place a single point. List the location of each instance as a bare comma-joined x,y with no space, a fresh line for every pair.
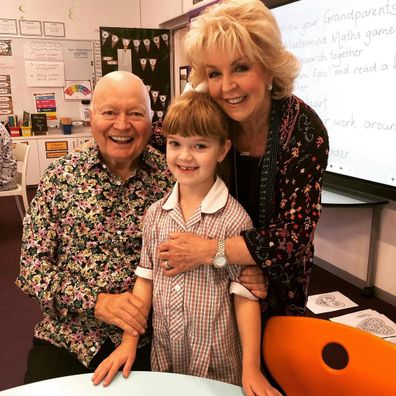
309,356
21,155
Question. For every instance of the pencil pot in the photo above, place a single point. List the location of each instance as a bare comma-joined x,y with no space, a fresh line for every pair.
26,130
15,131
67,129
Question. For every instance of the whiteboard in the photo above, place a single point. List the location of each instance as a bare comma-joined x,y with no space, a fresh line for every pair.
347,50
41,66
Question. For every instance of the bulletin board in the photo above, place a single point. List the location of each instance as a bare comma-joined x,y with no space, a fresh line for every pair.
144,52
45,72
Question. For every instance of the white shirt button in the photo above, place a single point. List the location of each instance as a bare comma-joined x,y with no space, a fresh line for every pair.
177,288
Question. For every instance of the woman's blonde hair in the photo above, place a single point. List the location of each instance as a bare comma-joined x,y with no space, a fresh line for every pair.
195,114
245,27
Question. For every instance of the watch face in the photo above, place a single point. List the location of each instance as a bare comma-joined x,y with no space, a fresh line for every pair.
219,261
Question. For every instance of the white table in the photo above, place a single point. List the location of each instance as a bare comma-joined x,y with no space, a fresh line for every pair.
139,383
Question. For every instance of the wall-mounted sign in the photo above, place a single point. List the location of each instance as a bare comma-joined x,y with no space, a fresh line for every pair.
30,28
8,26
55,154
54,29
39,123
56,146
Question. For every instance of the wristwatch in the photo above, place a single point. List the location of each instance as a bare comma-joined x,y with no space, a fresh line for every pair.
220,258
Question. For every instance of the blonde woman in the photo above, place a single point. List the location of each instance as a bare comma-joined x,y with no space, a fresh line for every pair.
279,153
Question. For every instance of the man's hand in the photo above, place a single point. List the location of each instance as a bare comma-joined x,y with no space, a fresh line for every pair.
125,311
253,278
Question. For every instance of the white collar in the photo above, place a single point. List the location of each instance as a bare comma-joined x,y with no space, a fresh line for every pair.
215,199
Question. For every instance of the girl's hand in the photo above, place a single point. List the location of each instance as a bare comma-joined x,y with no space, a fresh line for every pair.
124,355
255,384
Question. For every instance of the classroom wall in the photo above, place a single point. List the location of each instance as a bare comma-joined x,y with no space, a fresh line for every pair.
82,18
343,237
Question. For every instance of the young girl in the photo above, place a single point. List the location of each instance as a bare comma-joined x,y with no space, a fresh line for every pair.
195,318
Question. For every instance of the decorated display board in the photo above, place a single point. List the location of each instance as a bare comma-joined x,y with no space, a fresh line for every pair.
144,52
45,75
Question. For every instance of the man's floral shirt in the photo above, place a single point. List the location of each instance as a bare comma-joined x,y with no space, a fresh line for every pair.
82,236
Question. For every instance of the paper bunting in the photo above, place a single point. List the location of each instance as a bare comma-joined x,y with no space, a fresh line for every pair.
153,62
125,42
114,40
143,63
148,87
105,35
160,114
154,95
147,44
156,40
163,100
136,44
165,38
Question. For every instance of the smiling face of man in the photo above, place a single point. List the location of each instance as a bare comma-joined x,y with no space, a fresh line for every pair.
120,120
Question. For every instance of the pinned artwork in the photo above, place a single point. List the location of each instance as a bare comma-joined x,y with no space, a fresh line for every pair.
144,52
328,302
77,90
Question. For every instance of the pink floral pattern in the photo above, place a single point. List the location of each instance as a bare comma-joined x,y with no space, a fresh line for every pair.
284,249
82,236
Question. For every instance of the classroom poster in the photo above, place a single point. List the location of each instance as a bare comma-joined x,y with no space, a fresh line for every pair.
5,48
45,74
77,90
45,103
6,106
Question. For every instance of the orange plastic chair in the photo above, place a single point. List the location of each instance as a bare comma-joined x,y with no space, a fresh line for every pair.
311,357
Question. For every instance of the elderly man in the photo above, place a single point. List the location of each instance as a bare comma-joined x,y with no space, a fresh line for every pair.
82,236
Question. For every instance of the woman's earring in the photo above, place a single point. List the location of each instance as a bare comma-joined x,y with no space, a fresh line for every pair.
269,87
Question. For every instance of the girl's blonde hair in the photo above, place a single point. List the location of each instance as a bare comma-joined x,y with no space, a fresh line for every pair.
195,114
243,27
